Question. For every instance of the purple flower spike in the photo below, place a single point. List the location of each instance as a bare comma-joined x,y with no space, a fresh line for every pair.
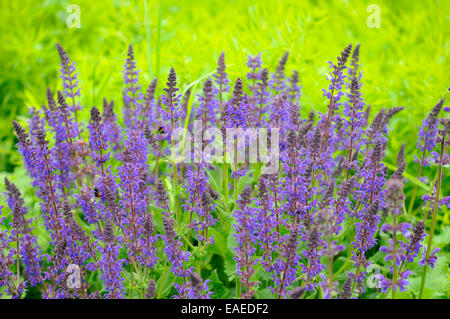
131,93
69,76
428,130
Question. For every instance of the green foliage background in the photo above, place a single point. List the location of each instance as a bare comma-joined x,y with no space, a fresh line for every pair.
405,62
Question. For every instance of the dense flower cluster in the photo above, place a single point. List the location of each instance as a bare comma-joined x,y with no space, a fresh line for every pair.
119,206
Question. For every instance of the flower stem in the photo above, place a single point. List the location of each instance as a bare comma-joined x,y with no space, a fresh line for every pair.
330,266
18,259
235,182
394,243
225,184
175,183
163,277
238,288
130,293
433,221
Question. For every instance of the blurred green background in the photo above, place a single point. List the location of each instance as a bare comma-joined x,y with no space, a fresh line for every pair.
405,62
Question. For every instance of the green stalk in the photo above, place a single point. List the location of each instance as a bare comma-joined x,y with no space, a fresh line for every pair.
238,288
235,183
235,179
183,235
175,182
138,272
347,262
330,265
356,275
394,241
130,293
18,259
225,184
433,221
143,281
163,277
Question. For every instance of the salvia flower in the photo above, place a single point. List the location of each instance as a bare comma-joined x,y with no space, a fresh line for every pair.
431,259
399,285
208,105
221,77
101,191
277,83
286,266
151,290
97,138
111,128
111,265
428,130
245,228
69,76
198,288
174,252
173,111
131,93
347,288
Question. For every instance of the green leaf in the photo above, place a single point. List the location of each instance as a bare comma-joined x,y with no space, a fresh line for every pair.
215,180
220,291
244,180
231,240
230,268
157,217
220,243
405,295
265,294
230,264
443,238
436,284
